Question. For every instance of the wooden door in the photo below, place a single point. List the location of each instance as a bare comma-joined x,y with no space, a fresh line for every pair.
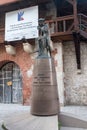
10,84
17,85
1,87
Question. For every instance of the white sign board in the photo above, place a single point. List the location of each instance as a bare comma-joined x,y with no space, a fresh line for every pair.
21,23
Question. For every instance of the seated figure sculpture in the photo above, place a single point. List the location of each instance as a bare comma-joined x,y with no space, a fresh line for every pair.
43,40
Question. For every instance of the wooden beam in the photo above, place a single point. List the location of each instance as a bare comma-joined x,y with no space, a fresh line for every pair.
76,38
70,1
71,27
76,23
43,1
2,2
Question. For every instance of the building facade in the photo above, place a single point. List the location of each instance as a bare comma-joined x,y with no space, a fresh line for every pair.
69,52
16,66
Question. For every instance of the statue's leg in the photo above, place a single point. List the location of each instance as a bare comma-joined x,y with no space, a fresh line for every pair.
48,46
39,47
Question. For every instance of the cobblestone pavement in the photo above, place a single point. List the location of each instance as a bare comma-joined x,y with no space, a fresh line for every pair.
18,117
10,110
7,110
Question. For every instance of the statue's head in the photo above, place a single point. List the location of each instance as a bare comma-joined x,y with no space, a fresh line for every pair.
41,21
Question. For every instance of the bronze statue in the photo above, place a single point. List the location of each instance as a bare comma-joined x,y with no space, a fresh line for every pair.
44,39
45,99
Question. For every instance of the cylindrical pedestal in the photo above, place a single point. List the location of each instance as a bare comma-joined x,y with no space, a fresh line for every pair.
44,91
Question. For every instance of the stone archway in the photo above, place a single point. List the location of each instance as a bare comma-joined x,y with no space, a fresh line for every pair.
10,83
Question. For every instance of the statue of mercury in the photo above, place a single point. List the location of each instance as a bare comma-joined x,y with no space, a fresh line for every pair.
43,40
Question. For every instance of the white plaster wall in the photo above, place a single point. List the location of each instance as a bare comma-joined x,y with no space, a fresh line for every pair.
59,71
75,84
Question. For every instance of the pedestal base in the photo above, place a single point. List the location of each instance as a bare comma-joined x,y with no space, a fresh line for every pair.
44,92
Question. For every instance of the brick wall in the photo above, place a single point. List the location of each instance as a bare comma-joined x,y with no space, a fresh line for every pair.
25,63
75,84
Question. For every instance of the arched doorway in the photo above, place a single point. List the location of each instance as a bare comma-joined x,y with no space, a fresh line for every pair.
10,83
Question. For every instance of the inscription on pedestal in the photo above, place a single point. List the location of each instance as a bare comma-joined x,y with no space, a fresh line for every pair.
42,80
42,85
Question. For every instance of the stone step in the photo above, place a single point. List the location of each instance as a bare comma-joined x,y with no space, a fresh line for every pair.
71,128
70,120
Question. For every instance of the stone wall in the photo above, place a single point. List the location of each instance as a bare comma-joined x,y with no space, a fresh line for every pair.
75,84
58,58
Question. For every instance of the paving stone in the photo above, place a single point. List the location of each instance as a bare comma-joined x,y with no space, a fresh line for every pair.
33,123
71,128
17,117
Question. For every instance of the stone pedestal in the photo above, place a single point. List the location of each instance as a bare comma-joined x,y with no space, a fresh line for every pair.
44,91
